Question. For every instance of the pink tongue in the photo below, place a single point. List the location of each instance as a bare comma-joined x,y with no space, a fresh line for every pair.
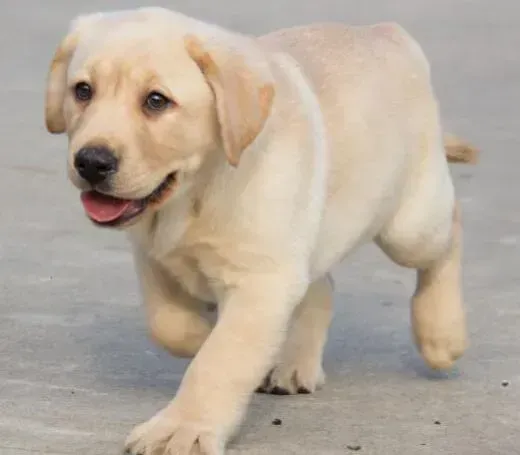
102,208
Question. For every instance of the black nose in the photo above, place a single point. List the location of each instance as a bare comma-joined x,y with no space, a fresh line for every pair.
95,164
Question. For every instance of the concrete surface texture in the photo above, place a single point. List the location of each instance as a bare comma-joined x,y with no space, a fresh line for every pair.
77,370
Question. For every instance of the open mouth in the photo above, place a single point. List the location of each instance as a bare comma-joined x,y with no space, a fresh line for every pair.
106,210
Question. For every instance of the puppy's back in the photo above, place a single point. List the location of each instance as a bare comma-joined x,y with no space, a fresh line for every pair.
351,54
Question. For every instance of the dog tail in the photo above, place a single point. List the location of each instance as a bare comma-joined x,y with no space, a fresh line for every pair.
459,151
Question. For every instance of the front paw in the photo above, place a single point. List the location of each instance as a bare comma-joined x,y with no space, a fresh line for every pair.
167,434
302,377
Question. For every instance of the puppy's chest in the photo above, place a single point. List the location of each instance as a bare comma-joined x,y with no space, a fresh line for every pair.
201,267
189,272
197,257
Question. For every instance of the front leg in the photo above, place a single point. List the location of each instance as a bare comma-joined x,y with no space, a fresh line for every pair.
220,381
176,320
299,368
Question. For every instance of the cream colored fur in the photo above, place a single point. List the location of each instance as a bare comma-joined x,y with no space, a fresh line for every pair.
292,150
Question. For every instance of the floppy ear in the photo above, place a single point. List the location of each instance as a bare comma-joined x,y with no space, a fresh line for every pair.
57,84
243,97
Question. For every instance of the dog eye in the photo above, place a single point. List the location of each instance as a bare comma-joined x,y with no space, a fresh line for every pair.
83,91
155,101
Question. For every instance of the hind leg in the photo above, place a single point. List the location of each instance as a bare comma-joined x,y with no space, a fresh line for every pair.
299,367
438,317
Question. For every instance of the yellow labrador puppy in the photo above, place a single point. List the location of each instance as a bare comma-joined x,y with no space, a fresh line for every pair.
243,169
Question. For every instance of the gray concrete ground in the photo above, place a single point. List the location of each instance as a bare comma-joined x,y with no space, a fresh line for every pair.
76,368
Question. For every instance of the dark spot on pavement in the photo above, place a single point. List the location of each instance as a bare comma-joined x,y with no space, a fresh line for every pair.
277,422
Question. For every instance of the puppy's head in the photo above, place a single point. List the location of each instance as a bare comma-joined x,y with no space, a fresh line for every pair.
145,98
